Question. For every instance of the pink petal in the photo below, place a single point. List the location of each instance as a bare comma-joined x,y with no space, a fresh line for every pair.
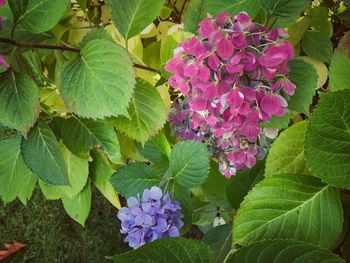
199,104
289,87
191,69
251,131
206,27
271,104
204,72
235,98
213,62
3,62
273,57
225,48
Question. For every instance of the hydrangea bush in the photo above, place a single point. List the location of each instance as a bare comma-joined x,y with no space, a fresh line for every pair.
233,76
153,103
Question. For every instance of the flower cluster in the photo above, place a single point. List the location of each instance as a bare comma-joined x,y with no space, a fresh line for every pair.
3,63
232,78
152,217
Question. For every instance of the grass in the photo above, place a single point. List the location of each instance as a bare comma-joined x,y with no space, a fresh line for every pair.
51,236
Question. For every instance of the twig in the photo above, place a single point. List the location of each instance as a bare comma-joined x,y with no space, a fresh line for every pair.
146,68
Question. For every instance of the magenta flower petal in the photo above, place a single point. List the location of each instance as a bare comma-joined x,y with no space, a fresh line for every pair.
191,69
206,27
203,73
225,48
271,104
235,98
273,57
289,87
2,2
213,62
199,103
3,62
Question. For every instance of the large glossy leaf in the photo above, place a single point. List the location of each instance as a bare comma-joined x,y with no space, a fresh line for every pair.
132,16
100,81
287,206
79,206
38,16
317,45
13,170
199,9
339,70
327,142
283,8
240,184
100,172
287,152
43,156
304,76
189,163
134,178
147,113
220,240
81,135
19,101
174,250
281,251
78,171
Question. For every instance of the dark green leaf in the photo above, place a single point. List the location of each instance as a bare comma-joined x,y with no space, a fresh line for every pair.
220,240
240,184
283,8
19,101
214,187
189,163
42,154
287,206
81,135
327,142
281,251
174,250
304,76
134,178
317,45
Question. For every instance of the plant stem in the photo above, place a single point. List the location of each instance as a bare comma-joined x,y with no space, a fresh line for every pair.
39,46
63,48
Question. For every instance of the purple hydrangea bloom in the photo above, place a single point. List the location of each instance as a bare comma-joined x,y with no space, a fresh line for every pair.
151,217
233,77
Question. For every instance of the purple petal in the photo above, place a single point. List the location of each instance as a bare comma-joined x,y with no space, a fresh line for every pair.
225,48
156,193
235,98
271,104
273,57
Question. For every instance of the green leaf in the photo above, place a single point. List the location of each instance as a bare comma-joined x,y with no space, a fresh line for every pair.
50,191
43,156
207,214
287,152
317,45
13,170
327,142
298,29
189,163
240,184
78,171
215,186
79,206
100,172
19,101
321,69
281,251
277,122
132,16
304,76
220,240
38,16
81,135
283,8
287,206
99,82
339,70
320,20
157,150
28,185
147,112
134,178
198,10
174,250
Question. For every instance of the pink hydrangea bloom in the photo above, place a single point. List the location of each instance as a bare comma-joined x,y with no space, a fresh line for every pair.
232,77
